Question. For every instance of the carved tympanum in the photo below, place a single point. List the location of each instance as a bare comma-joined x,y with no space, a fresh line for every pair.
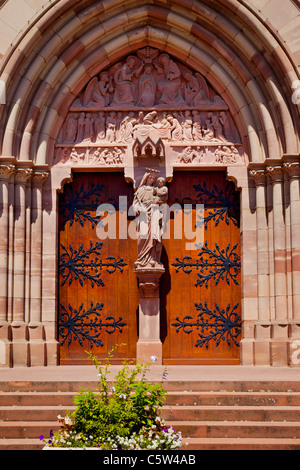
148,105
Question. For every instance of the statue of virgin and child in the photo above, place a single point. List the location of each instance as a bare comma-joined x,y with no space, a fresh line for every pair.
149,198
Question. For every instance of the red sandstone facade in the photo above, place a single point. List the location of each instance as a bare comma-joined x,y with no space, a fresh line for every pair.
242,55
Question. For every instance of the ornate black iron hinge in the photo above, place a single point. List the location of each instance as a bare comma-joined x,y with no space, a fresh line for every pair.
80,264
81,205
225,204
222,205
79,325
214,325
218,264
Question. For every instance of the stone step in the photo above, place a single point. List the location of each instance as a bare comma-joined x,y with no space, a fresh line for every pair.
241,444
193,444
177,386
192,432
231,413
173,398
237,429
21,444
26,429
234,398
177,413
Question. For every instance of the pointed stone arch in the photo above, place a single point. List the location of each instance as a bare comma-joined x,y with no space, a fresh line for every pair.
50,63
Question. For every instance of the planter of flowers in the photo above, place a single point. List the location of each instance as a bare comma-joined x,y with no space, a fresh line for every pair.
120,415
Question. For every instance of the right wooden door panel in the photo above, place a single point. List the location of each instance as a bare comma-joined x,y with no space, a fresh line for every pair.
201,289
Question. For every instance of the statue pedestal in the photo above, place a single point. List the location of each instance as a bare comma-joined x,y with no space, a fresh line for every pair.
149,343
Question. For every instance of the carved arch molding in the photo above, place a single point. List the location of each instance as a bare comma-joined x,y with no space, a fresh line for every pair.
148,106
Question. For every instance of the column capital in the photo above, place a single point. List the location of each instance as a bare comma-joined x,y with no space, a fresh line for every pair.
259,176
39,177
6,171
22,175
275,172
292,168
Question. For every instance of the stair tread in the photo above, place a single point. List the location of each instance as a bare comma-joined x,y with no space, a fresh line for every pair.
291,408
232,423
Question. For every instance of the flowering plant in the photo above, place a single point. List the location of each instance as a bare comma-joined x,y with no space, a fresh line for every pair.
121,415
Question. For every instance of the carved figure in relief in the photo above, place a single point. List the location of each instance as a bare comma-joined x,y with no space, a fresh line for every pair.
97,92
217,126
187,126
147,88
100,127
149,242
71,129
176,129
124,87
76,157
88,128
198,156
186,156
127,126
162,125
119,119
208,132
226,126
111,124
81,127
197,127
170,85
195,90
226,155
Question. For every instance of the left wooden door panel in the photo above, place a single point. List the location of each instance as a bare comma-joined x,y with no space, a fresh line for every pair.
98,295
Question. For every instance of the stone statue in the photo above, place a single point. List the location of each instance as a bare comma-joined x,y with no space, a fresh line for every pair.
146,204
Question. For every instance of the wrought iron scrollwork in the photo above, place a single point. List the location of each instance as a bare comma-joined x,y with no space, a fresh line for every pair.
214,325
80,264
218,264
225,204
80,325
222,205
81,205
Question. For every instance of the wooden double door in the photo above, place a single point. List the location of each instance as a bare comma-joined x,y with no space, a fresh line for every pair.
200,292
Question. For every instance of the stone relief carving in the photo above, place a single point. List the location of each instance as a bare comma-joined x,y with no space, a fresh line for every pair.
147,106
148,79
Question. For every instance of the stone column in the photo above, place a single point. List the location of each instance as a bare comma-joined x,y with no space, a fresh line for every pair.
262,329
275,172
19,326
259,178
6,171
36,328
292,169
149,343
279,344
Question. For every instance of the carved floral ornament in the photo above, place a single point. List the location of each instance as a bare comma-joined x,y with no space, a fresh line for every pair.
148,105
